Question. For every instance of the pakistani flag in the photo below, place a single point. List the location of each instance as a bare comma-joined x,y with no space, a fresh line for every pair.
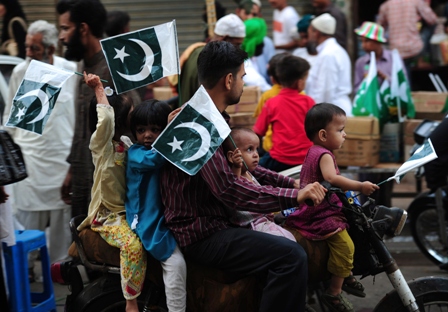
400,92
423,155
139,58
194,135
37,94
367,101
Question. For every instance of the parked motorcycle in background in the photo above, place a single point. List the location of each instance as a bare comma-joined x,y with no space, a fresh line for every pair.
428,211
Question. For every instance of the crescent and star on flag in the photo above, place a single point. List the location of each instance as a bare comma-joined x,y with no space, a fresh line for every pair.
44,102
147,67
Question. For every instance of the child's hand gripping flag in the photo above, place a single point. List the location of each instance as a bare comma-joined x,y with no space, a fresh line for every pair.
423,155
194,135
37,94
141,57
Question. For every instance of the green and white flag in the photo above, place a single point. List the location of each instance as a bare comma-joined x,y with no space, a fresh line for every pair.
367,101
37,94
141,57
194,135
400,92
423,155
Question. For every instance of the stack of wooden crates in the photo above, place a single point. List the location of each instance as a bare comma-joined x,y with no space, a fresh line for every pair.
242,114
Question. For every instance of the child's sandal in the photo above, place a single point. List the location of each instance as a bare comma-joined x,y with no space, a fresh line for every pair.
337,303
352,286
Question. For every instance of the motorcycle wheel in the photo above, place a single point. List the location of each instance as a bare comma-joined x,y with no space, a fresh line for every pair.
431,294
105,295
425,231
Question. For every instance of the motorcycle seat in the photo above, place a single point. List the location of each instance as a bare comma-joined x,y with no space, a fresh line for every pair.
98,251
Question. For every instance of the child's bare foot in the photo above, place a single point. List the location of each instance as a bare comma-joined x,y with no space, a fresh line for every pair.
132,305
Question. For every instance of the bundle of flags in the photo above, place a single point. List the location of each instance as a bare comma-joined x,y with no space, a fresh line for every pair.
37,94
388,102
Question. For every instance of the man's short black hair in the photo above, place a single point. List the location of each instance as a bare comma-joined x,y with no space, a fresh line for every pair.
290,69
116,22
91,12
217,59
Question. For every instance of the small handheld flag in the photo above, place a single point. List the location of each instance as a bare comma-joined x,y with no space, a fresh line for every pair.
37,94
400,92
194,135
423,155
367,98
141,57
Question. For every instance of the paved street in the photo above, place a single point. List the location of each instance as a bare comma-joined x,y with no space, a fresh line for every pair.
411,262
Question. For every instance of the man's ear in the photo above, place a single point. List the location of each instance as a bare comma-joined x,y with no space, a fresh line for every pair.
51,50
84,29
322,134
228,81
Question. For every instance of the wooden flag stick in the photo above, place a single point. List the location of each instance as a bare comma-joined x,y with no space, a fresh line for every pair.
233,142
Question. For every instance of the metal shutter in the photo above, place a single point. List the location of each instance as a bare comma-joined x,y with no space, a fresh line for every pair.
146,13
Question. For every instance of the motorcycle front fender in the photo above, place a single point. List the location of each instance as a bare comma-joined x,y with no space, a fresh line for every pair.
425,290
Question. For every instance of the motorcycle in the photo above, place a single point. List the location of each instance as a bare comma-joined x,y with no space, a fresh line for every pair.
428,211
214,290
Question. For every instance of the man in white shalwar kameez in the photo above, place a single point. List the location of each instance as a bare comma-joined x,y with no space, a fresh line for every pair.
330,77
37,200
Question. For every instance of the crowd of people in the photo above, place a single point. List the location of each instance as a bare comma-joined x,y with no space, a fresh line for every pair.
223,216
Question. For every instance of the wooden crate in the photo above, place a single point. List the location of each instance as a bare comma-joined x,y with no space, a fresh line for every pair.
248,102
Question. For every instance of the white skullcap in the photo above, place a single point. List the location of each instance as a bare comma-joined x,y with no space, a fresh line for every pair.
230,25
257,3
325,23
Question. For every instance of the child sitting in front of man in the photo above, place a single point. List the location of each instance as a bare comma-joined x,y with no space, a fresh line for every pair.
286,113
324,126
144,210
108,121
241,149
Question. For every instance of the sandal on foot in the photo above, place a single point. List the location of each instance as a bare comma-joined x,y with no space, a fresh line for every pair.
352,286
337,303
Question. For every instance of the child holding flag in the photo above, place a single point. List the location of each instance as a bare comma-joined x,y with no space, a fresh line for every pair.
144,210
243,158
107,214
324,126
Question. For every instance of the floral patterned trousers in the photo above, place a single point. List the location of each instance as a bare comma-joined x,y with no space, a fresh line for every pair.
115,230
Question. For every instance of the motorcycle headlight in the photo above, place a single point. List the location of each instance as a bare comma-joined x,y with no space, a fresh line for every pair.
388,221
